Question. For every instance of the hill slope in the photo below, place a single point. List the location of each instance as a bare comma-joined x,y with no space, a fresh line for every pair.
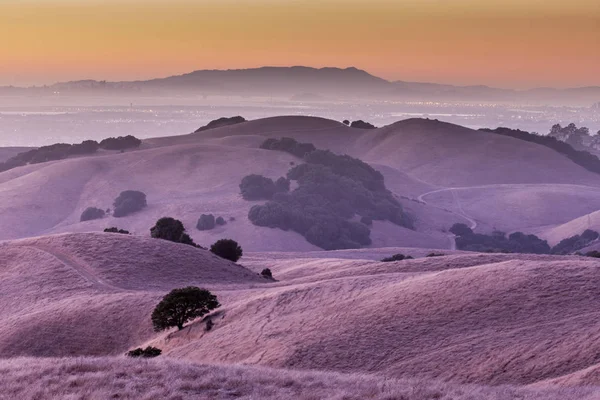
139,379
194,174
92,294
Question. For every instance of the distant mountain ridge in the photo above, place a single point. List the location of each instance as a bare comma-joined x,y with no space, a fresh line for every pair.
291,81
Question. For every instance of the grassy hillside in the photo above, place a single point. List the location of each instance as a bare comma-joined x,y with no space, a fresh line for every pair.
102,378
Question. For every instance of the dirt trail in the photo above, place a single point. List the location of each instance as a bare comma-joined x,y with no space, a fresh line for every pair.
80,267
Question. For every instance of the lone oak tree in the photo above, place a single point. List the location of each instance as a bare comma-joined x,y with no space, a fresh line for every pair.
182,305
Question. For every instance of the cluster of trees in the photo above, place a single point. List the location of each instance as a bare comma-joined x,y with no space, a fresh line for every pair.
517,242
360,124
258,187
288,145
331,190
120,143
128,202
61,151
223,121
576,242
578,138
171,229
580,157
207,222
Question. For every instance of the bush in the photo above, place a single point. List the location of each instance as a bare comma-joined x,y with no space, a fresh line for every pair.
116,230
220,221
346,122
266,273
227,249
574,243
461,230
120,143
360,124
182,305
593,253
435,255
91,213
288,145
517,242
206,222
148,352
171,229
282,185
223,121
128,202
257,187
396,257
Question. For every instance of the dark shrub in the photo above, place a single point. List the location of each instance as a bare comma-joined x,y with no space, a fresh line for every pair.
368,221
91,213
288,145
116,230
181,306
128,202
206,222
120,143
435,255
574,243
257,187
223,121
397,257
231,219
86,147
360,124
461,230
282,185
346,122
171,229
593,253
517,242
209,325
227,249
266,273
148,352
220,221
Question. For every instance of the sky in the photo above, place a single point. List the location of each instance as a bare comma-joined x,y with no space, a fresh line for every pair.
503,43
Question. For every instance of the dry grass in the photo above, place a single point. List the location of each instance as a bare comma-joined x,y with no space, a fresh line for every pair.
161,379
190,175
92,294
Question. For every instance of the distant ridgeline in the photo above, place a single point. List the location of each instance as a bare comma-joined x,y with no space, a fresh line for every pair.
331,190
555,142
60,151
223,121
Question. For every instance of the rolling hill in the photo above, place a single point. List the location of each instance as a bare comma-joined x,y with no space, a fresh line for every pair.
441,173
92,294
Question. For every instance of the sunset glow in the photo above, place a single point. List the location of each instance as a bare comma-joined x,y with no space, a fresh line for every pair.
500,43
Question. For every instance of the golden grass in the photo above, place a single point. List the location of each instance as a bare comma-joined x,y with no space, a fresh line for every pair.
161,379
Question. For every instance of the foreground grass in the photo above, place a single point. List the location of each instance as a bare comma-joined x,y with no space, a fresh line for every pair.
121,378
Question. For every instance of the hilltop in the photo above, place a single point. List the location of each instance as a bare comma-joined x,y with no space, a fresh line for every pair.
441,173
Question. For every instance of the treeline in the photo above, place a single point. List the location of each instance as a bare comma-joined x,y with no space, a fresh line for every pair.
61,151
518,242
331,190
579,157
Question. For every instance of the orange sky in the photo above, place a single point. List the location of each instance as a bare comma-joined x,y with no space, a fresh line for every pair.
508,43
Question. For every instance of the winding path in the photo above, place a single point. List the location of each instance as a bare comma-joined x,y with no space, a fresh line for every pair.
78,266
